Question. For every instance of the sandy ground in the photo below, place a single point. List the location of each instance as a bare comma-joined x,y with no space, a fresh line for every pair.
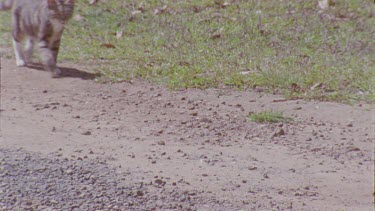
196,141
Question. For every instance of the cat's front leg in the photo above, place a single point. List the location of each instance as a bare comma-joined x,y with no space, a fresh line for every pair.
55,47
17,38
18,53
57,73
18,50
28,50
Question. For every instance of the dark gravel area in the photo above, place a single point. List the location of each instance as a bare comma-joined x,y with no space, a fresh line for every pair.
30,181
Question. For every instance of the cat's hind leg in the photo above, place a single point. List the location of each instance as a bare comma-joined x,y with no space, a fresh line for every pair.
48,59
18,53
28,52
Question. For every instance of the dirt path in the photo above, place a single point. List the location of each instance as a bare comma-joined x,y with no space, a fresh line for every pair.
196,142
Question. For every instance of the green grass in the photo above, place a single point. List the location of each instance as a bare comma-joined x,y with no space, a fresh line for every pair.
287,47
269,117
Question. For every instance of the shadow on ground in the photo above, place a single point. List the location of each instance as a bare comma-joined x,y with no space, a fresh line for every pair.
68,72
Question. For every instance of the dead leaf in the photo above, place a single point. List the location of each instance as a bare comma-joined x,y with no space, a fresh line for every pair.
141,7
135,12
119,34
325,4
197,9
216,36
222,4
78,18
247,71
92,2
160,10
225,4
317,85
295,87
183,63
107,45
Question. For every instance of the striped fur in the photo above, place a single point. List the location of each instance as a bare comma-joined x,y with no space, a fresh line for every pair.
39,22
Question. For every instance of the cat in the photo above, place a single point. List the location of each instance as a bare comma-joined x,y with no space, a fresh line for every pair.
41,22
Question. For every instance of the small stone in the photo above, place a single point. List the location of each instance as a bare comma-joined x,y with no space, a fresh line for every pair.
160,182
140,193
87,133
52,201
278,133
253,168
162,143
352,149
69,172
281,132
194,114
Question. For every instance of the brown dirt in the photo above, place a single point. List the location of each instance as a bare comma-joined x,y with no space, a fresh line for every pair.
197,141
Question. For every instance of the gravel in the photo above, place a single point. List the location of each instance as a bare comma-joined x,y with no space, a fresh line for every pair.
30,181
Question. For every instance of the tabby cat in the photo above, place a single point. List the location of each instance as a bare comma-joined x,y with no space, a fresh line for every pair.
41,22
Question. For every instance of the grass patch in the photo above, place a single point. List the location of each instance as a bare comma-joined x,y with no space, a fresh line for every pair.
288,47
269,117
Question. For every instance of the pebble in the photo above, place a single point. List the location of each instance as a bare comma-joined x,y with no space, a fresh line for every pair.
87,133
34,182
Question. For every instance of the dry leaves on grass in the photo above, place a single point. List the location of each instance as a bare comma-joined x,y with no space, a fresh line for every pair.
92,2
107,45
325,4
222,4
161,10
119,34
78,18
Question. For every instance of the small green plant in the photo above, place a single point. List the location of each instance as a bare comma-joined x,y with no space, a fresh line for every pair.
269,116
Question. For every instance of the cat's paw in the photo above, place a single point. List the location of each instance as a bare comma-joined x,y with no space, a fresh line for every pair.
57,73
28,61
20,63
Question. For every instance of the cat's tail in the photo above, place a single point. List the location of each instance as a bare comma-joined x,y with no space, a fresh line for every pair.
6,5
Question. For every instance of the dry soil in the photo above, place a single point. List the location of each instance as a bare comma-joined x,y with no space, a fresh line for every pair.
74,144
